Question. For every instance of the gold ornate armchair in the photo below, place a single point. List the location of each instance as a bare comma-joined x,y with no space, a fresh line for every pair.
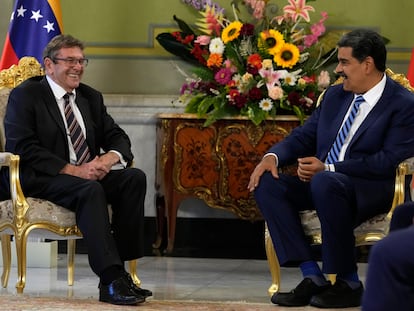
22,216
368,232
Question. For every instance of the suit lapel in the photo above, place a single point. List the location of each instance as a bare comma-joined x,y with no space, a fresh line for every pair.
338,115
83,105
374,114
51,104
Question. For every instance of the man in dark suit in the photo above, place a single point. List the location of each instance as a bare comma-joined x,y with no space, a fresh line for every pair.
346,179
390,277
75,155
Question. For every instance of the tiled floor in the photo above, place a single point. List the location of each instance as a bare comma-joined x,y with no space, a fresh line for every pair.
170,278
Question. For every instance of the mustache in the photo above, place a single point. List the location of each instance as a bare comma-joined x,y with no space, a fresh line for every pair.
340,75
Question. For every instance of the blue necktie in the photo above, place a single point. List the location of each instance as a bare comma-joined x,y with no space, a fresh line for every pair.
344,131
78,139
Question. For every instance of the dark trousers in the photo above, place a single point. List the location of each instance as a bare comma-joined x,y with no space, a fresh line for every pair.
334,197
390,278
109,242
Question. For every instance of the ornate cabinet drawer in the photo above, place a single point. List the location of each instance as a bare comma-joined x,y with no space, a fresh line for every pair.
212,163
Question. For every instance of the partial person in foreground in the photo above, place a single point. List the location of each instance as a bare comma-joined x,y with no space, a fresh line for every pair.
347,153
74,154
390,276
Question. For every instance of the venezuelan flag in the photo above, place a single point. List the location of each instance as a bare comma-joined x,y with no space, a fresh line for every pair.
410,73
33,24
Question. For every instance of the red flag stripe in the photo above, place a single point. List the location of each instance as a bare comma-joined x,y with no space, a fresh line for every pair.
410,73
8,57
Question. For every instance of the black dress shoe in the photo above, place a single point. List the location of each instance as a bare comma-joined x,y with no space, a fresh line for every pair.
136,289
340,295
301,295
118,292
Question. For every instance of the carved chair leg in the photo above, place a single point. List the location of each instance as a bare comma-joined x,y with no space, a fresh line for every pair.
21,244
132,267
6,252
273,263
71,260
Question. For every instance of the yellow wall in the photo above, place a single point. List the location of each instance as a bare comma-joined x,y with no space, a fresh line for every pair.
125,57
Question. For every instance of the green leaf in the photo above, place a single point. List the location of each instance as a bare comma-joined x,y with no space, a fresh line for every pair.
183,26
192,105
206,105
203,73
213,117
256,114
285,105
170,44
299,113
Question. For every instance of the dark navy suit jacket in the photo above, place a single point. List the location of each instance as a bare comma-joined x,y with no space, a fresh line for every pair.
384,139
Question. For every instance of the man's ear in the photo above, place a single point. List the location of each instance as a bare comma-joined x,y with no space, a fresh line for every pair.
47,63
369,63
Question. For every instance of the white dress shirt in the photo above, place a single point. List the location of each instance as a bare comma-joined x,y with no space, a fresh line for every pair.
371,98
59,92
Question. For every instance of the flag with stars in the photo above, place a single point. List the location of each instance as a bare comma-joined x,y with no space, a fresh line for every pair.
33,24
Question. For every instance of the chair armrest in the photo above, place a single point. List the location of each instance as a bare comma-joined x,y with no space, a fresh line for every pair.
5,158
404,168
18,199
407,166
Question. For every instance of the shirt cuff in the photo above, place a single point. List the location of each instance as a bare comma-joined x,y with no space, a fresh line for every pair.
330,167
274,155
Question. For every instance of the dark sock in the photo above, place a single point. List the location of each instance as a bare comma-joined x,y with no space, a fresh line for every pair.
351,279
310,269
111,273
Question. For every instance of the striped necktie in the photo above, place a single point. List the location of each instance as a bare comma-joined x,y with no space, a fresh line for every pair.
344,131
76,136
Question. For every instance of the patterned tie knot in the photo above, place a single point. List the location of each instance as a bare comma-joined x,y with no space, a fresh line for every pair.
358,101
66,97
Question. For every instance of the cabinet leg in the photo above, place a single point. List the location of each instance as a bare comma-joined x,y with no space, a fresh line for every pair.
160,220
170,247
171,225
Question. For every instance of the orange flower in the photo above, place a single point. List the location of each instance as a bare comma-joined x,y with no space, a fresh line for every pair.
255,60
214,60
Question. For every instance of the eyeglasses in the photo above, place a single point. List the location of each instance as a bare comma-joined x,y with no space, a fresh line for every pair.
73,61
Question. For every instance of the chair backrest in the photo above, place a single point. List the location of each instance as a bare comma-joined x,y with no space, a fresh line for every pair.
9,78
400,78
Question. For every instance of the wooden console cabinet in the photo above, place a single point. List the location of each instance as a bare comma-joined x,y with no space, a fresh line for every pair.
211,163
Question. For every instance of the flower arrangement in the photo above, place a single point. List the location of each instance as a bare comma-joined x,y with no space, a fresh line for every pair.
258,66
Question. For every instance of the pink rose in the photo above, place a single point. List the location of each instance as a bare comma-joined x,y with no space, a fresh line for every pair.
275,92
203,40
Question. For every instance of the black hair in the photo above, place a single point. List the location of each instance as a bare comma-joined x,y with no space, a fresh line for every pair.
364,43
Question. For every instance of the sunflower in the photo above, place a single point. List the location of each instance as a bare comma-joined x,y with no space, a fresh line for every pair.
231,32
287,56
271,40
